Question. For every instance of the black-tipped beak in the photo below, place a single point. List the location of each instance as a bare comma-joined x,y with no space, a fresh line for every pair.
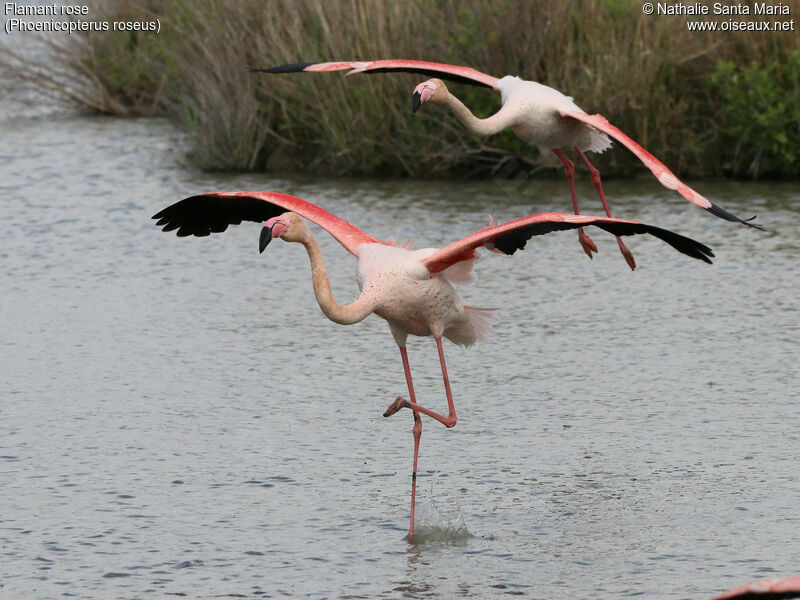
416,102
264,239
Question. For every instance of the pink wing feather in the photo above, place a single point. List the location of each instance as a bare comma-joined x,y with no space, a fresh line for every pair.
512,236
666,177
770,588
212,213
445,71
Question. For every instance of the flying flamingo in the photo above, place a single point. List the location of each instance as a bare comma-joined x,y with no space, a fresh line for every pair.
769,589
411,289
538,114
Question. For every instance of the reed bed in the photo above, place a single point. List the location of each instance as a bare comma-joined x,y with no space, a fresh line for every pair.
705,103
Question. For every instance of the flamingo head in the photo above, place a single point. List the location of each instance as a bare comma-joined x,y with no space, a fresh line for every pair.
432,90
288,226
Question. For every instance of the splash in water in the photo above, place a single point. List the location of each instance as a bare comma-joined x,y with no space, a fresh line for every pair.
437,526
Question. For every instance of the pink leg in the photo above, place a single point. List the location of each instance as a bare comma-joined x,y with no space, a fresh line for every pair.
417,431
450,419
597,184
586,242
401,402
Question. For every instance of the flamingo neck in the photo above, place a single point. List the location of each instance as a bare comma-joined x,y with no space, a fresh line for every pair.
488,126
346,314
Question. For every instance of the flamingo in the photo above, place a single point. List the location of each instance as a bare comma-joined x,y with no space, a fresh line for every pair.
411,289
538,114
769,589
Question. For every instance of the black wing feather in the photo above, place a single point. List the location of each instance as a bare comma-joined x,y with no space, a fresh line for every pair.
205,214
516,239
291,68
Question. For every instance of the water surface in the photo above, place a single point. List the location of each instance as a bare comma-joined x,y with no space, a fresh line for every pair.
178,418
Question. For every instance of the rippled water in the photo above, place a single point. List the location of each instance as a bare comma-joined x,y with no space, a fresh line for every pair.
178,418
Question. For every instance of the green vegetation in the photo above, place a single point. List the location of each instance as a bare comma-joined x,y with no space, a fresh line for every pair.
761,115
705,103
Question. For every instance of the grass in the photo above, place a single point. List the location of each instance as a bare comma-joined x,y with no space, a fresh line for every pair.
705,103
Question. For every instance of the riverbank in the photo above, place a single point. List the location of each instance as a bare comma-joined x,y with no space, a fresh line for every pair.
706,103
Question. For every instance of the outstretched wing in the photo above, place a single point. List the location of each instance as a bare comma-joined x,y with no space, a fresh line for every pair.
450,72
212,213
762,590
512,236
659,169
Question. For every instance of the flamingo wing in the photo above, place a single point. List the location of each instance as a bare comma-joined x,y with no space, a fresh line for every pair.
771,589
455,73
209,213
512,236
666,177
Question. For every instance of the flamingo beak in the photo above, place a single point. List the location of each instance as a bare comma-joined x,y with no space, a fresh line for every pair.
416,101
264,239
422,93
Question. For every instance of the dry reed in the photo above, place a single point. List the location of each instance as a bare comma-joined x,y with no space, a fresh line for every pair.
663,84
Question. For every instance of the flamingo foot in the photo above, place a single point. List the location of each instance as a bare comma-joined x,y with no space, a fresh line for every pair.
588,245
627,254
396,406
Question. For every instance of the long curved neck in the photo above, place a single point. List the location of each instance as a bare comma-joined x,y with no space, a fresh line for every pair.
346,314
488,126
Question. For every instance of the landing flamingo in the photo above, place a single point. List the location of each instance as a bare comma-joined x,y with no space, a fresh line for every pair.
411,289
538,114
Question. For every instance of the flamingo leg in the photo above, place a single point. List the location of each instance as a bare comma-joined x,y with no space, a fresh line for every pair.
417,431
626,253
450,419
569,168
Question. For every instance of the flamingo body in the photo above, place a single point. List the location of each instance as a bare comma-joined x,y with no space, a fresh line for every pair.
533,111
413,301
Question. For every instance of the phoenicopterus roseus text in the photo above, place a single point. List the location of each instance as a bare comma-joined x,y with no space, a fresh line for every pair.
538,114
411,289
